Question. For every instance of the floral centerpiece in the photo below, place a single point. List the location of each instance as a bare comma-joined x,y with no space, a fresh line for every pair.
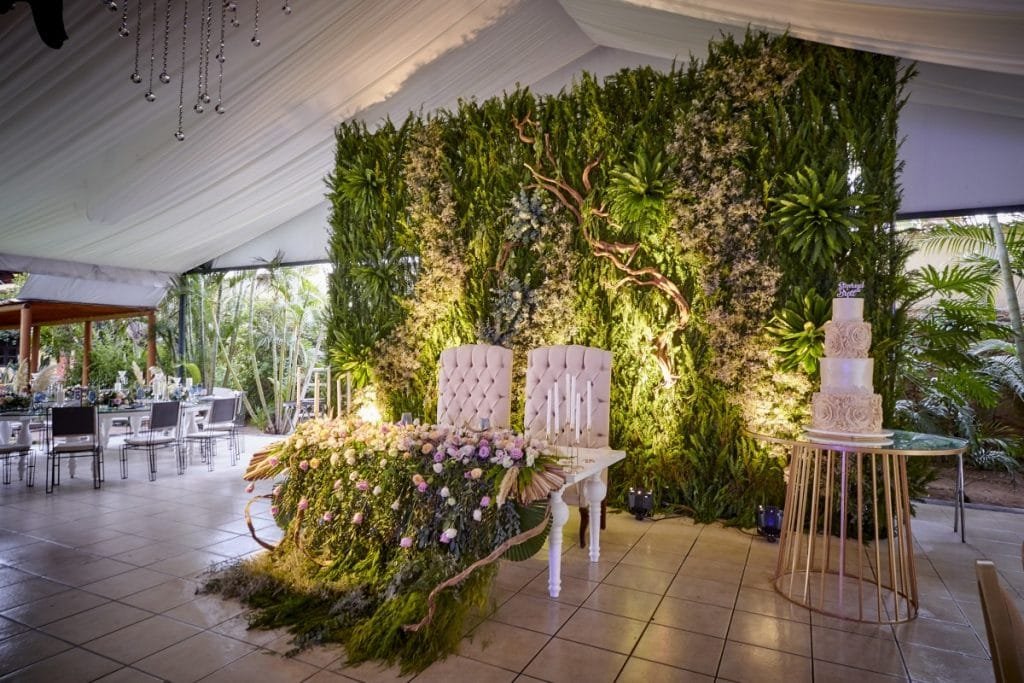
114,398
12,400
391,533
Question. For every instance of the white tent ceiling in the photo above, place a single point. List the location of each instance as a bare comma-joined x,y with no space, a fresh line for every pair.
91,173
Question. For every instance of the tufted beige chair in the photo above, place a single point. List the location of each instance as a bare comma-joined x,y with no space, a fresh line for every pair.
550,364
474,382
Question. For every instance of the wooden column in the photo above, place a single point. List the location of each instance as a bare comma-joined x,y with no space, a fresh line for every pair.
151,340
25,339
36,342
86,351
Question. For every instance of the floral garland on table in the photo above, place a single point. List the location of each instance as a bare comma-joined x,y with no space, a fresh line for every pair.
115,399
390,532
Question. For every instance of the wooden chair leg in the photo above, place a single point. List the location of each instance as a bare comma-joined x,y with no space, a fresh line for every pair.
584,523
604,513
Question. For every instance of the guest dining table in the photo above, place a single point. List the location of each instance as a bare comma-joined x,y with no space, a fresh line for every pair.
582,466
105,418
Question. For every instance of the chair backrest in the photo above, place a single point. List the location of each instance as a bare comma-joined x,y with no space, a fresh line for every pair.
1003,624
549,365
222,411
474,382
73,421
164,415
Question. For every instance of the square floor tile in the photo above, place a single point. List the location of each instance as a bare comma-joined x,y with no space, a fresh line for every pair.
537,614
624,602
562,661
606,631
195,657
503,645
637,669
142,639
263,666
70,666
54,607
768,632
931,665
639,578
681,649
862,652
95,622
165,596
27,648
456,668
742,662
693,616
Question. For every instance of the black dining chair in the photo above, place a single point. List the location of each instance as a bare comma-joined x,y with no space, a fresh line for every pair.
218,426
73,434
163,432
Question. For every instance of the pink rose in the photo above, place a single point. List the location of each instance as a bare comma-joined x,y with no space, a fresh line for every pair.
485,501
303,503
357,518
274,510
406,542
304,465
422,487
328,516
363,485
251,487
277,490
272,461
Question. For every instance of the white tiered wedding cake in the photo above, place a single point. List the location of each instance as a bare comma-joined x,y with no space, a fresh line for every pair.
847,410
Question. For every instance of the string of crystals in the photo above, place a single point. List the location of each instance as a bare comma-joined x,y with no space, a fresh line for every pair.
165,77
180,133
256,26
206,17
150,96
219,108
228,12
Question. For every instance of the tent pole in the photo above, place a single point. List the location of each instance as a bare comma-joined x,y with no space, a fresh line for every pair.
86,352
182,303
36,342
151,339
25,339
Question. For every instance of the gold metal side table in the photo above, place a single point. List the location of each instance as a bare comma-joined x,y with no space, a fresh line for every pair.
846,548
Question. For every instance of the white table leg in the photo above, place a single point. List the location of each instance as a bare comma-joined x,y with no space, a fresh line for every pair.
559,516
596,490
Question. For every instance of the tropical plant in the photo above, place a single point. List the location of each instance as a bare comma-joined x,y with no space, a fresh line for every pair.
818,221
799,331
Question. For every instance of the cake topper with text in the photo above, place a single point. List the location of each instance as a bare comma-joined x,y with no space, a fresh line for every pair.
848,290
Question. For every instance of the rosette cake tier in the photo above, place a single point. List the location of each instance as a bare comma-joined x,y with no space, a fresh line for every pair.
847,409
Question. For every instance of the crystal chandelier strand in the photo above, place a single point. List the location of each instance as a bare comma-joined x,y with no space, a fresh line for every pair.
205,95
180,134
150,96
165,77
220,60
256,26
198,106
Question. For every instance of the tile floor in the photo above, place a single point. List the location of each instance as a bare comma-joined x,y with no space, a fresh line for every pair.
100,585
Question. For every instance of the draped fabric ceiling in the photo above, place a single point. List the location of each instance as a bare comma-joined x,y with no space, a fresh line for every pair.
94,186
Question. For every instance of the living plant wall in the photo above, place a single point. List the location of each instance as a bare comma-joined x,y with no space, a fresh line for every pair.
695,223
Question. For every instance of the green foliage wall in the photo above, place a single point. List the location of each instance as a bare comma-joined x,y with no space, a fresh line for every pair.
646,214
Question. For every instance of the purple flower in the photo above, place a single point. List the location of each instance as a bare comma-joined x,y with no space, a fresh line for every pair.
272,461
516,453
485,501
406,542
445,539
422,487
363,485
274,510
304,465
439,456
484,452
303,503
328,516
251,487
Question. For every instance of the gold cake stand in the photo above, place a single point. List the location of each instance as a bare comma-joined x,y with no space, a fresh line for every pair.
846,548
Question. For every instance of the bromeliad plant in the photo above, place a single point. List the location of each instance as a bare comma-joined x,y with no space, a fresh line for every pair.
390,533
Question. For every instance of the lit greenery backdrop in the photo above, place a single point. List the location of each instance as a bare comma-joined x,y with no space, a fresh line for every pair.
690,222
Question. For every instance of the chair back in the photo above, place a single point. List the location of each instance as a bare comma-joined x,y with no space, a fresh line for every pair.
550,365
222,411
474,382
73,421
164,415
1003,624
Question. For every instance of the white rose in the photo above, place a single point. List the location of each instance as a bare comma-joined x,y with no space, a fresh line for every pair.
438,467
377,490
452,502
477,515
445,492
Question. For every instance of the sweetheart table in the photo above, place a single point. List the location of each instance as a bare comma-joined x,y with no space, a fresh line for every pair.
589,464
